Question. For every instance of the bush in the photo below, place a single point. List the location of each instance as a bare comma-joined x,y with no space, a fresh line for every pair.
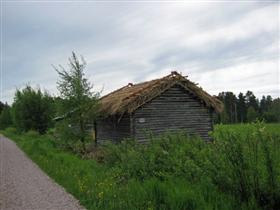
248,159
11,130
32,110
242,164
51,132
5,117
238,170
68,137
32,134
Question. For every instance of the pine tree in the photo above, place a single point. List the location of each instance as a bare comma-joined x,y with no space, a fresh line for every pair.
251,100
241,108
263,105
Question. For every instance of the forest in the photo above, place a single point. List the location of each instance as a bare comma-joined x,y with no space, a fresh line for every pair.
34,109
247,108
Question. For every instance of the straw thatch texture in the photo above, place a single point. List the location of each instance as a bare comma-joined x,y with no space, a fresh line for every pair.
128,98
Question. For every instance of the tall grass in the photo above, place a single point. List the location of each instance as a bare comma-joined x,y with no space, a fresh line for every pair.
239,169
252,158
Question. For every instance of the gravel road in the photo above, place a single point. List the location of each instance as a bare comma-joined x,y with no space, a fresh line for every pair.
24,186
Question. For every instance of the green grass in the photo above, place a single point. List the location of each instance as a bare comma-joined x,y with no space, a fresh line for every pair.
239,170
273,128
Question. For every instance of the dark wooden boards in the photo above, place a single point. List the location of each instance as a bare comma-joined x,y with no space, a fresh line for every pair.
174,110
113,129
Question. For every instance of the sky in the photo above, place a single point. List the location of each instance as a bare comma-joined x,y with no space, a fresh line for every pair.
221,45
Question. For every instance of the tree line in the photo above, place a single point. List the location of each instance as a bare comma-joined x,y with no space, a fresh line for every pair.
35,109
247,108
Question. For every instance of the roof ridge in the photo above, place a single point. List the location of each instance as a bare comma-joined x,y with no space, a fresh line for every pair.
114,91
142,89
126,98
140,83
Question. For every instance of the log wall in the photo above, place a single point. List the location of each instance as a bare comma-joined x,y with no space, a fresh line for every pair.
175,109
110,129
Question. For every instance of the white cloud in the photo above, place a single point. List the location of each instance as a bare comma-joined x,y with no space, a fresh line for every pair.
254,23
260,77
216,44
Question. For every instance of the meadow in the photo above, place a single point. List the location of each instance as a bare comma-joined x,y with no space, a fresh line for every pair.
239,170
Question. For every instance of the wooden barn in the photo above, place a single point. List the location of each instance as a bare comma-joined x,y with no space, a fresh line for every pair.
167,104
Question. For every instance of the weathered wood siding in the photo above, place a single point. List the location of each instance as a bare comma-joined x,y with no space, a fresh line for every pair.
110,129
175,109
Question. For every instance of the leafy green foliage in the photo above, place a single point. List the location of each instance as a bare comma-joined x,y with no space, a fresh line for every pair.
32,110
251,114
73,86
251,155
242,162
239,170
6,117
2,106
229,114
78,102
272,113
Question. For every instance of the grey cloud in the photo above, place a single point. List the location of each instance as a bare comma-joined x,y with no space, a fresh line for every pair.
128,40
219,54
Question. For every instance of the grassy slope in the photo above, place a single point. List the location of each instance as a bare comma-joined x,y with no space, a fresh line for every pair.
173,174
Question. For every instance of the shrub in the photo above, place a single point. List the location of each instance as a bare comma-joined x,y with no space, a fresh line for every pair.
11,130
5,117
32,110
242,164
238,170
248,160
69,137
32,134
51,132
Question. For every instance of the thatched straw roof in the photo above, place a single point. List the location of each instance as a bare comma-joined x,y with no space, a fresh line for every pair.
128,98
